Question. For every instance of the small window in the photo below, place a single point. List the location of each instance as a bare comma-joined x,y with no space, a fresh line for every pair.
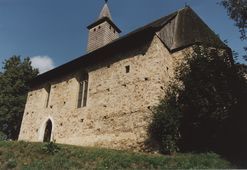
94,29
114,31
127,69
110,27
83,90
99,27
48,91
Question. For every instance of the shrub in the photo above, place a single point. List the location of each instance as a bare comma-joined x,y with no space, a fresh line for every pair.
50,148
2,136
165,125
11,164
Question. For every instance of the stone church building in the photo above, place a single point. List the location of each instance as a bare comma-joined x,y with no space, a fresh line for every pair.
104,98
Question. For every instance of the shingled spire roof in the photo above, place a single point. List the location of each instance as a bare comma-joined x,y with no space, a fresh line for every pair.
105,12
105,15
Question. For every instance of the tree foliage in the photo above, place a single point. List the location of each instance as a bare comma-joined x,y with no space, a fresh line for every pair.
237,11
205,99
166,122
13,92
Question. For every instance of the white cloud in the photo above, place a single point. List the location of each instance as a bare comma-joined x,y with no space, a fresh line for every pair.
43,63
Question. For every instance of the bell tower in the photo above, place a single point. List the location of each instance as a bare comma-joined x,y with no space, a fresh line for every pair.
102,31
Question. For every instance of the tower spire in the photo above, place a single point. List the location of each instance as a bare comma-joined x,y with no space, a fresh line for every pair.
105,12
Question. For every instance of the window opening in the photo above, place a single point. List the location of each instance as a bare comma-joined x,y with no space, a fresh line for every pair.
127,69
48,90
83,90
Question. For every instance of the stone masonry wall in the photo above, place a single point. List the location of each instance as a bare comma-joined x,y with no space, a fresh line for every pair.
117,113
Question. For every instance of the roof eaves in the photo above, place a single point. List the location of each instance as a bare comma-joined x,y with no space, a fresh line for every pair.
101,20
91,58
146,30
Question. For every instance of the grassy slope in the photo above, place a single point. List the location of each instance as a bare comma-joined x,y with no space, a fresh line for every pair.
21,155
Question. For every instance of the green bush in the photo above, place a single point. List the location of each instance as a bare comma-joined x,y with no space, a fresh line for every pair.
50,148
165,124
11,164
2,136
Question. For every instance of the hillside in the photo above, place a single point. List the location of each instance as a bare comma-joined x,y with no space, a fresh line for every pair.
22,155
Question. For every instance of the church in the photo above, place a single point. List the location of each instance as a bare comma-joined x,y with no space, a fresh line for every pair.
104,98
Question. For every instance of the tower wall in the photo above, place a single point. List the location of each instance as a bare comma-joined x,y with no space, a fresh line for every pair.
101,35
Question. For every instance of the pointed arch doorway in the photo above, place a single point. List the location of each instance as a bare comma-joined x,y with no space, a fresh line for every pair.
48,131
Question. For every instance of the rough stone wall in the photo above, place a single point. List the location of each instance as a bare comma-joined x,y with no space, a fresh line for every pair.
117,114
101,35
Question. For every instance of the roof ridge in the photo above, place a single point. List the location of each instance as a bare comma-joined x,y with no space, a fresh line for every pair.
141,35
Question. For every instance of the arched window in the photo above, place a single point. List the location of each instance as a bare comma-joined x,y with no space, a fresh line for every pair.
83,90
48,130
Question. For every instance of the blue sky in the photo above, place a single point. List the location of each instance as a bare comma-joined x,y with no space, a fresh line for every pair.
54,31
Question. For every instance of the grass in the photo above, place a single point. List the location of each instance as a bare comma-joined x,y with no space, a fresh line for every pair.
31,156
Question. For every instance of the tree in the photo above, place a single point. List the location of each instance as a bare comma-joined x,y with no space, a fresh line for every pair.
165,126
202,104
13,92
237,11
